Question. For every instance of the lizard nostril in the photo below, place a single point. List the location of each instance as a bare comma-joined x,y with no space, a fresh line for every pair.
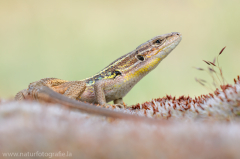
175,33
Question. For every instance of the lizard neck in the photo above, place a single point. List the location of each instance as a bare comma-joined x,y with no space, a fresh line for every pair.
142,71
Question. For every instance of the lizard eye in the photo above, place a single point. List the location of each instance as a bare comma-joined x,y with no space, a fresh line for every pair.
158,41
140,57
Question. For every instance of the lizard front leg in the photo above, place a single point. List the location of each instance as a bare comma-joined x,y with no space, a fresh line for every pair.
100,95
118,101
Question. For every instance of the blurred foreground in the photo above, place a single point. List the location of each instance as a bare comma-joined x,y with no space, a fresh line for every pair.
35,128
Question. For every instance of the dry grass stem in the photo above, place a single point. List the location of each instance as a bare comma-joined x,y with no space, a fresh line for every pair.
200,81
212,63
222,50
198,68
206,62
214,60
217,77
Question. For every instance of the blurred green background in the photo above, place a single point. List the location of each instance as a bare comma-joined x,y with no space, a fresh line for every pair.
74,39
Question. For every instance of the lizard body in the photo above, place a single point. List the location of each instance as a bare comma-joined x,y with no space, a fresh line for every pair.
114,81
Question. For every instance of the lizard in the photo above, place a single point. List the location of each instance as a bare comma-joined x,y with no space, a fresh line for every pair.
114,81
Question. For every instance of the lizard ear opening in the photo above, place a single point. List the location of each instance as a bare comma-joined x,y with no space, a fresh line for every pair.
116,72
140,57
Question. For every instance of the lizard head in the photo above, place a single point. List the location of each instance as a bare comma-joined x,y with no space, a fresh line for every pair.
159,46
148,55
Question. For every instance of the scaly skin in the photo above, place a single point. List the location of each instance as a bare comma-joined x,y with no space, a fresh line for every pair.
114,81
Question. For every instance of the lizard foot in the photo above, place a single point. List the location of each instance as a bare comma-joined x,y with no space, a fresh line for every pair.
121,106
